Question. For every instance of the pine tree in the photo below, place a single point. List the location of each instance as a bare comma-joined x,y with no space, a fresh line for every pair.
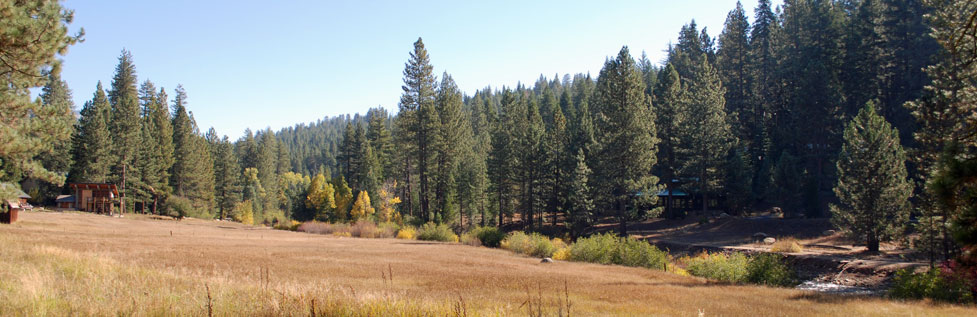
227,176
92,148
625,134
158,130
580,210
669,98
348,152
418,123
786,177
37,35
454,134
945,138
192,174
55,100
762,67
501,159
872,187
268,168
703,131
732,60
378,134
738,182
125,127
253,192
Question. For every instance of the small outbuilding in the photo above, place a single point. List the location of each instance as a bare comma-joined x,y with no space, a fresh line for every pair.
65,201
14,200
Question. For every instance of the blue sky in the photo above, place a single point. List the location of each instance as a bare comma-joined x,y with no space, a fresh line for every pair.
251,64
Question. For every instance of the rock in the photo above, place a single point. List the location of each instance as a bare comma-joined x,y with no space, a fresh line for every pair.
546,260
769,240
759,236
828,232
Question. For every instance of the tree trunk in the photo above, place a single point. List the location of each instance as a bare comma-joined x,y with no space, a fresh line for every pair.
623,218
873,243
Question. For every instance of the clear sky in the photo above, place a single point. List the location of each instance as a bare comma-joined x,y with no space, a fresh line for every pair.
258,64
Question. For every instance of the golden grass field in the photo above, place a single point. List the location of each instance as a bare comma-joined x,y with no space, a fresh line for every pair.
82,264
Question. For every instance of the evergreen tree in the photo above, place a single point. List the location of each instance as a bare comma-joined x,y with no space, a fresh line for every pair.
738,182
945,138
501,159
348,152
378,134
625,134
158,131
125,127
227,176
703,131
192,175
37,36
55,100
732,60
268,168
669,98
92,147
786,177
416,121
454,134
764,89
872,187
580,210
370,171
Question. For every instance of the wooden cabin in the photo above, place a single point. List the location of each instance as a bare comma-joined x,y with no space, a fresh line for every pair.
93,197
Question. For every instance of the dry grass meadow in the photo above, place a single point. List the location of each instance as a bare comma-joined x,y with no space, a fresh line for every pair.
82,264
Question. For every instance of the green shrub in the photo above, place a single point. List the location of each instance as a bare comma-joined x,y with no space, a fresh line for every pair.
436,232
934,284
387,229
488,236
770,269
273,217
598,248
177,207
533,244
634,252
608,248
730,268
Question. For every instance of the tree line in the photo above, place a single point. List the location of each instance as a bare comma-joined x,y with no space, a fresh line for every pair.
776,114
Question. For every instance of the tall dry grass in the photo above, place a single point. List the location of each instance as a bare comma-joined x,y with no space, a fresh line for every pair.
79,264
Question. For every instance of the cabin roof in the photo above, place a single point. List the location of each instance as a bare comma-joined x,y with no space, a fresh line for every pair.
95,186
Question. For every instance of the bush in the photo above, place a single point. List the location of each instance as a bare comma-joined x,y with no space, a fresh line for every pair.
292,225
488,236
323,227
598,248
387,230
406,233
273,217
177,207
730,268
470,239
787,245
610,249
945,283
363,229
533,244
436,232
770,269
637,253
